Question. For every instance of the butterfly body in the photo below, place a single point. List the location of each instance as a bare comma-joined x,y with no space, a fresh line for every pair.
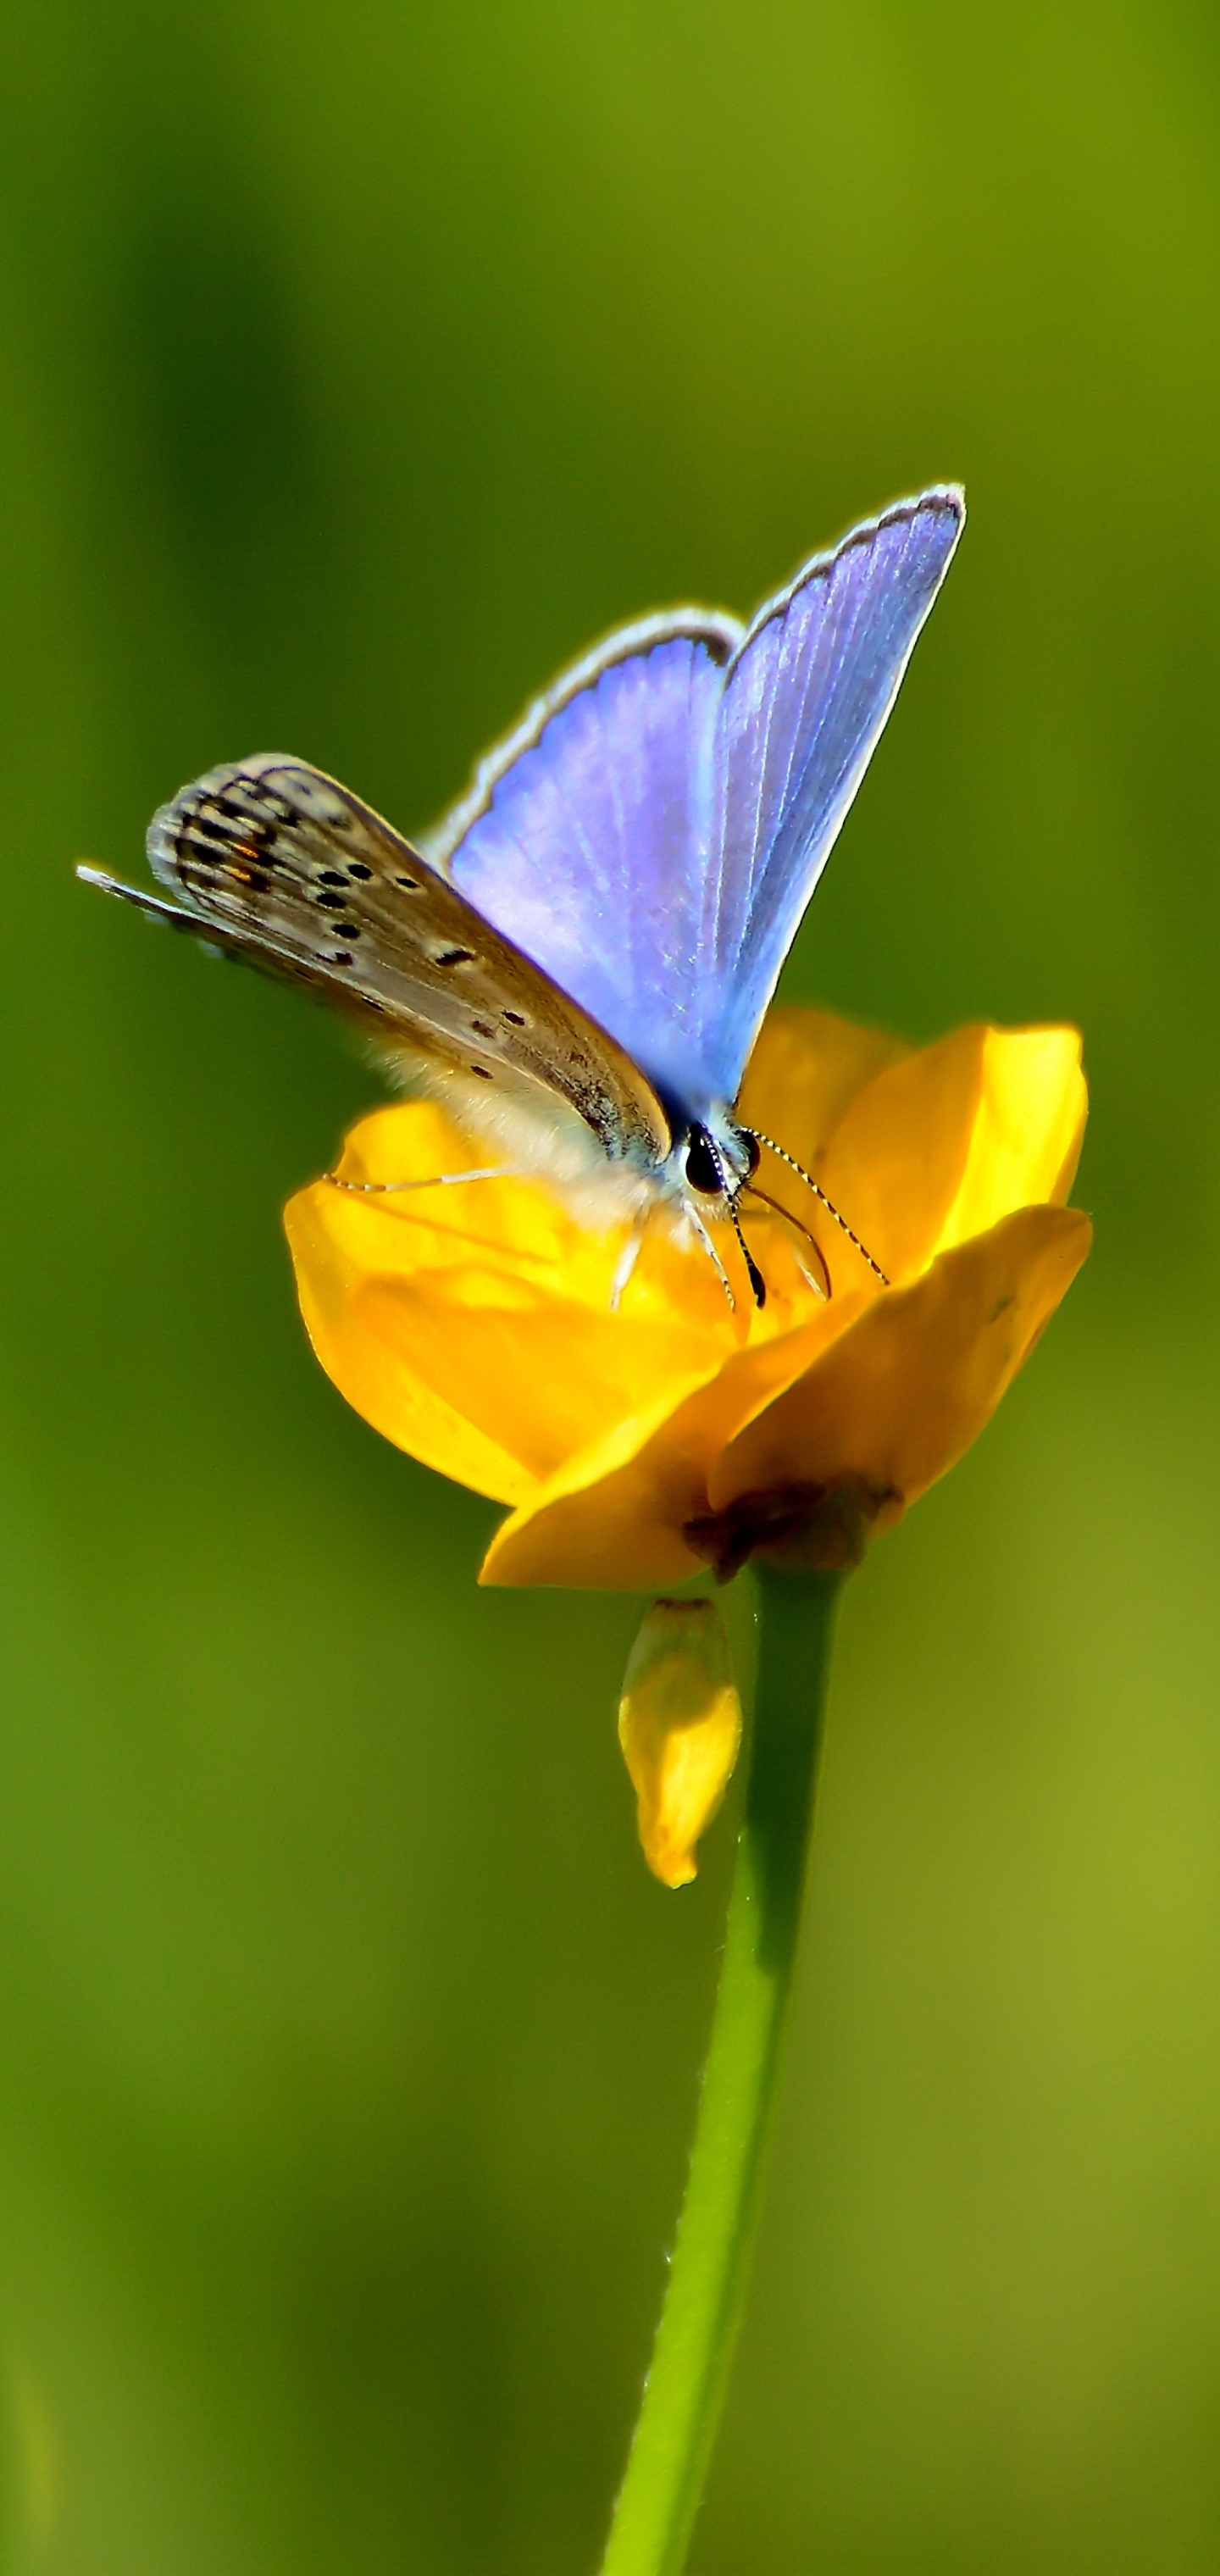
580,956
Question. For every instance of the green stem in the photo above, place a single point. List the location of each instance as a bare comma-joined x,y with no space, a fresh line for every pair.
676,2426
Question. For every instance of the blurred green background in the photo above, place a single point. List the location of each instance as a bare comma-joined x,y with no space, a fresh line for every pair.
357,365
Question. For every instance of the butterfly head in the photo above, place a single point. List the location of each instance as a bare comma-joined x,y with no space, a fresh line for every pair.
712,1162
716,1158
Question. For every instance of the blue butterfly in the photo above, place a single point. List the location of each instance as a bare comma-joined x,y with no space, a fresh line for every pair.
580,957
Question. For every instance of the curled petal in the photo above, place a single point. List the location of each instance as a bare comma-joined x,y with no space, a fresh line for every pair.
907,1388
1028,1129
619,1514
946,1142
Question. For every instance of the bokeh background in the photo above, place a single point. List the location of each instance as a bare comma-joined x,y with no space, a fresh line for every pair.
357,365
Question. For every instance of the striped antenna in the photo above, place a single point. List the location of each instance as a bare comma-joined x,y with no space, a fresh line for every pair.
819,1193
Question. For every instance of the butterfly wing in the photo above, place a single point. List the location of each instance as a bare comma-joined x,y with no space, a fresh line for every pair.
604,918
274,863
803,705
653,831
586,836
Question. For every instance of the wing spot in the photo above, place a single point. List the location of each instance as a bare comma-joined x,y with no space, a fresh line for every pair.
330,902
517,1019
342,957
453,957
347,930
481,1071
358,869
331,876
481,1029
410,885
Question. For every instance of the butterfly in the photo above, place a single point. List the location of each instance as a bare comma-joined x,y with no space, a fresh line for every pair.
579,957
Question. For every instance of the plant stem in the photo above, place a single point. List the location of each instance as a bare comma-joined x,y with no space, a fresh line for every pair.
680,2408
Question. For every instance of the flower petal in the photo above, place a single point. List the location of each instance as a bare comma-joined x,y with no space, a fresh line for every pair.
895,1161
1028,1129
367,1356
806,1069
472,1325
900,1395
618,1514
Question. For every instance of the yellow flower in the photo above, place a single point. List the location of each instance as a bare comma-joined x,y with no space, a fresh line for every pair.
473,1325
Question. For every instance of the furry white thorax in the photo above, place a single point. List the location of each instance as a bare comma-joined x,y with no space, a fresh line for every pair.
537,1135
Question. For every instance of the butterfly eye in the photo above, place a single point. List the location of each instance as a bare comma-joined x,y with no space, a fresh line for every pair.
704,1169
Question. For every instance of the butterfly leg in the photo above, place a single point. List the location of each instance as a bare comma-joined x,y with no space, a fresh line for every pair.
627,1260
694,1219
434,1181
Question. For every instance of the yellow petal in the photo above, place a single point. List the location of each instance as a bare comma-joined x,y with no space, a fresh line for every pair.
613,1517
906,1389
935,1146
1028,1129
617,1514
679,1725
344,1316
472,1324
806,1069
895,1161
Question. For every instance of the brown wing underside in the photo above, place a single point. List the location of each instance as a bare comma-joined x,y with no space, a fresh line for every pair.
276,864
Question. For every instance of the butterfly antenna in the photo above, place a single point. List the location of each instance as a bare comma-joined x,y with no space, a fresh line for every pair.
757,1281
819,1193
779,1209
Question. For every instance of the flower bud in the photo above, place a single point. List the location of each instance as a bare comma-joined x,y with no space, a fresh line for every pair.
679,1724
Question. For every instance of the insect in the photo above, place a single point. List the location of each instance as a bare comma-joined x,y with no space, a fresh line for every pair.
579,957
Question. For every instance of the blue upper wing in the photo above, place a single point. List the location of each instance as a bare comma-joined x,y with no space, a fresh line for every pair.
803,704
586,837
652,833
